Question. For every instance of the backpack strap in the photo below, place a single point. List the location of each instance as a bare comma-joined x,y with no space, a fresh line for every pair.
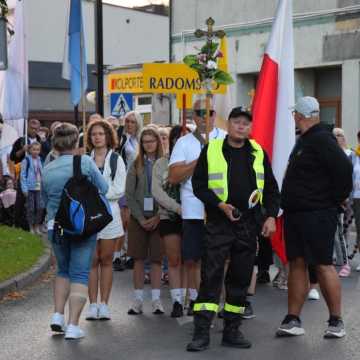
27,166
77,166
113,164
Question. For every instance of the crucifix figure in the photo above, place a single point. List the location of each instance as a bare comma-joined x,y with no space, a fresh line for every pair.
210,35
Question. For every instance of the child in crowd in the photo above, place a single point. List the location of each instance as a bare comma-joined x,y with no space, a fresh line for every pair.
7,202
30,180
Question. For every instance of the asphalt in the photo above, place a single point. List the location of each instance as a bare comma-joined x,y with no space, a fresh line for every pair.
25,332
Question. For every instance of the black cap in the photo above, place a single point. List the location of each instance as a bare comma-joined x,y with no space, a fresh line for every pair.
240,111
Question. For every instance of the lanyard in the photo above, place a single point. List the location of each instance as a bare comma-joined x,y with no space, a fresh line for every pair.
148,173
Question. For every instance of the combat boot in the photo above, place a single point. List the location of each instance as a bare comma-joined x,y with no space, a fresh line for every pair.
233,337
201,338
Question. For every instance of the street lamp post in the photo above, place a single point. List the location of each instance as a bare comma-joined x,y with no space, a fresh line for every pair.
99,53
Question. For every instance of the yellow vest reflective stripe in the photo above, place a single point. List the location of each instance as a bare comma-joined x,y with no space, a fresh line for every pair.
234,309
218,168
206,307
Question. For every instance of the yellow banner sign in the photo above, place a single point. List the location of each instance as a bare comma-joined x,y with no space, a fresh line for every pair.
126,83
180,101
175,79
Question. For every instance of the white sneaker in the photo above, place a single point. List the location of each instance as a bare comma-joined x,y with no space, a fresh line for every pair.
92,312
157,307
57,323
104,312
358,268
136,308
73,332
313,295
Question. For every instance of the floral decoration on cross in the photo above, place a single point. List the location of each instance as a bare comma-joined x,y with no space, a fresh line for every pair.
205,62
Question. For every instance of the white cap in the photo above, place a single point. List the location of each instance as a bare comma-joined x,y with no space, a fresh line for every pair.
307,106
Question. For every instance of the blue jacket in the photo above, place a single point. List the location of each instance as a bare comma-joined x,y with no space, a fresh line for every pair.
27,175
58,172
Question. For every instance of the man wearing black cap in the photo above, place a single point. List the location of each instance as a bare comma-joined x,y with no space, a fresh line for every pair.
317,182
233,178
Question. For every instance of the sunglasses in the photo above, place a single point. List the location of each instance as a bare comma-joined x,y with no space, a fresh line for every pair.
202,113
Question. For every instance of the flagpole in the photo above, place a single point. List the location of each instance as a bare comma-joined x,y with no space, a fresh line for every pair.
83,102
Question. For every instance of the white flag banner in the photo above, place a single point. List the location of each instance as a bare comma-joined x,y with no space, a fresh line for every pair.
14,82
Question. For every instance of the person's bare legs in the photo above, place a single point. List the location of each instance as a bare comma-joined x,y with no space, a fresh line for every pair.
330,287
119,244
61,293
252,287
172,245
192,268
298,286
106,271
94,276
155,275
77,300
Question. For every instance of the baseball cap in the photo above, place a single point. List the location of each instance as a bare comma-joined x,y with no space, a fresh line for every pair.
307,106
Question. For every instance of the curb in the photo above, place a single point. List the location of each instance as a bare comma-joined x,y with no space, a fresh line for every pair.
28,277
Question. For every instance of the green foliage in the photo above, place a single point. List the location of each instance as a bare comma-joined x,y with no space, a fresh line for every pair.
20,250
205,63
223,78
210,48
190,60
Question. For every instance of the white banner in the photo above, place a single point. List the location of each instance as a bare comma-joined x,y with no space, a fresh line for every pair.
14,82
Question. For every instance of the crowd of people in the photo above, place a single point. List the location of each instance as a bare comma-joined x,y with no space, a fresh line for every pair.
194,214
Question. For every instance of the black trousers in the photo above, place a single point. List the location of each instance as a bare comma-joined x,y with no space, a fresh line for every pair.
20,210
265,254
226,240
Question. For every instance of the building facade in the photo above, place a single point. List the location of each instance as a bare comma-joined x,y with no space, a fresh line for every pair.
131,36
327,49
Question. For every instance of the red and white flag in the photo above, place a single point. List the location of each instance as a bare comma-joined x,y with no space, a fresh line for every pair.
273,125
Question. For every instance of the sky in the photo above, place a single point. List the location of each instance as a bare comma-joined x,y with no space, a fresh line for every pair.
131,3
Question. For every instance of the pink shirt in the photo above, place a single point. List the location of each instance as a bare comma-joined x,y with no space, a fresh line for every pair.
8,197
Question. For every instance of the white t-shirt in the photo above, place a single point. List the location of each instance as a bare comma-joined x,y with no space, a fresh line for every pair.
187,149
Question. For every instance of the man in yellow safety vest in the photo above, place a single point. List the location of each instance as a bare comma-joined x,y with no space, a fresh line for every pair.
234,179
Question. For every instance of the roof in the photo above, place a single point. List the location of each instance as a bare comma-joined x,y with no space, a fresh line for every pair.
152,9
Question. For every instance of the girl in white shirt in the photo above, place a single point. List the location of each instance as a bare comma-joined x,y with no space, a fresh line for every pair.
101,140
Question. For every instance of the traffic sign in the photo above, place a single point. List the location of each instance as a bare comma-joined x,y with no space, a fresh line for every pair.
121,103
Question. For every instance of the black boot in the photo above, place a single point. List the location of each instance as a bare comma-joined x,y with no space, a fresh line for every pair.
201,338
233,337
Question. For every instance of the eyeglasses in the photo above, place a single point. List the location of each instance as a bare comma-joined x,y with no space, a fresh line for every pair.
202,113
148,142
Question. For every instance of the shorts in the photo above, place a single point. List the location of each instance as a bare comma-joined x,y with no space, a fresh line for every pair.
143,244
169,227
193,239
310,235
115,229
73,258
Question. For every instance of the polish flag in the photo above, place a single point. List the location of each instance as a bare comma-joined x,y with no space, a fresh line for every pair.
273,124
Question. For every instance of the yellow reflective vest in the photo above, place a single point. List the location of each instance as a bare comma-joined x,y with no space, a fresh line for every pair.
218,168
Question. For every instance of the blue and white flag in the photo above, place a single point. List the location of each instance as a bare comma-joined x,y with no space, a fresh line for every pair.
74,63
14,82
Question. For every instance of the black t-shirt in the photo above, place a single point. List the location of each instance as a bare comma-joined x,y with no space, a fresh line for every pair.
240,184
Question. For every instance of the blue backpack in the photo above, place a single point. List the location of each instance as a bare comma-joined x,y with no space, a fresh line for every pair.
83,211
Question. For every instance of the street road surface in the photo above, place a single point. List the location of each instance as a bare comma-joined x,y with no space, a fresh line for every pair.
25,332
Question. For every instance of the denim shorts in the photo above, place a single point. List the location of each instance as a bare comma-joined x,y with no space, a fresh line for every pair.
74,258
